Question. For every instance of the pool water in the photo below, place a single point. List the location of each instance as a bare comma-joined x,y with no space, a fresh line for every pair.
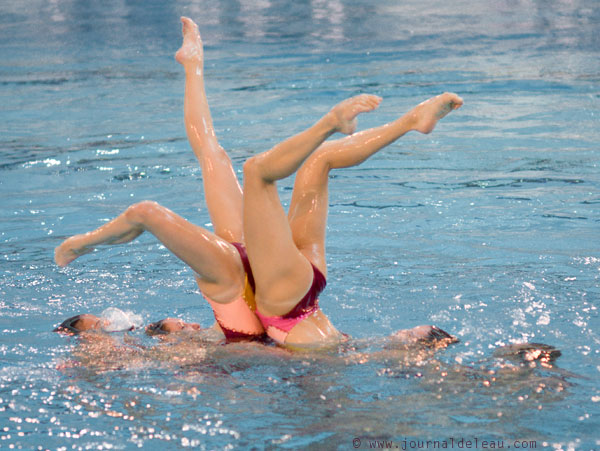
489,227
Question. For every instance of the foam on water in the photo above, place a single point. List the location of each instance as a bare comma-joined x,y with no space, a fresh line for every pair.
118,320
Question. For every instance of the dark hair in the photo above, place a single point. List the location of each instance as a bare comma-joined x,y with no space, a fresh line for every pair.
156,328
69,325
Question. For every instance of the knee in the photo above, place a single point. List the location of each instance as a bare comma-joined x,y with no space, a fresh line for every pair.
252,167
141,212
254,170
314,173
319,164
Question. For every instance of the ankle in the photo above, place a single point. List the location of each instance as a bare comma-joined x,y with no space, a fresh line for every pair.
194,69
329,124
408,121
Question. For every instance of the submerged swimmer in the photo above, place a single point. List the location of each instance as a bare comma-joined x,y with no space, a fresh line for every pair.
87,322
80,323
421,336
261,278
100,350
187,353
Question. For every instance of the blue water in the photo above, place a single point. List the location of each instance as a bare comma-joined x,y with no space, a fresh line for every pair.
489,227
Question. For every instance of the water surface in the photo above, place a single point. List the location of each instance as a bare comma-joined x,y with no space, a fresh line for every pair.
489,227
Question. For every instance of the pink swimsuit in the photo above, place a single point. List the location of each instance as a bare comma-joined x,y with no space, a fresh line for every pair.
278,327
237,319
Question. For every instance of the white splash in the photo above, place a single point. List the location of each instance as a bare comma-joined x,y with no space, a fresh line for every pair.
544,319
118,320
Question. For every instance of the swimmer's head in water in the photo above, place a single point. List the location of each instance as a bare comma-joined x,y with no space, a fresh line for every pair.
428,336
436,334
170,325
529,353
80,323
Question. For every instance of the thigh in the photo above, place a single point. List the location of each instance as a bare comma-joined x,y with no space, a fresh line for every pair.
282,274
222,193
216,261
308,210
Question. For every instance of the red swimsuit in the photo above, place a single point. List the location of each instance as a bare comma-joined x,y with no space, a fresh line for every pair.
237,319
278,327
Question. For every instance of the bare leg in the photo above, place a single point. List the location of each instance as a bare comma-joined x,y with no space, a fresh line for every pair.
308,208
221,187
215,261
285,158
281,272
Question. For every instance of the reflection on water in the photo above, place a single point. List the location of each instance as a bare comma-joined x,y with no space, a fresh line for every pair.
487,228
566,23
200,387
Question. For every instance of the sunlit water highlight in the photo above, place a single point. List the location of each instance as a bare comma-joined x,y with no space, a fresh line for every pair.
489,227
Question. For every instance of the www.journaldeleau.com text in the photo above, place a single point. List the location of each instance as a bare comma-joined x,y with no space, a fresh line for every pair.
449,443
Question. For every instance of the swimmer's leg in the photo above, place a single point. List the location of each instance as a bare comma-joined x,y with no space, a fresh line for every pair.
282,274
217,263
308,208
221,187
